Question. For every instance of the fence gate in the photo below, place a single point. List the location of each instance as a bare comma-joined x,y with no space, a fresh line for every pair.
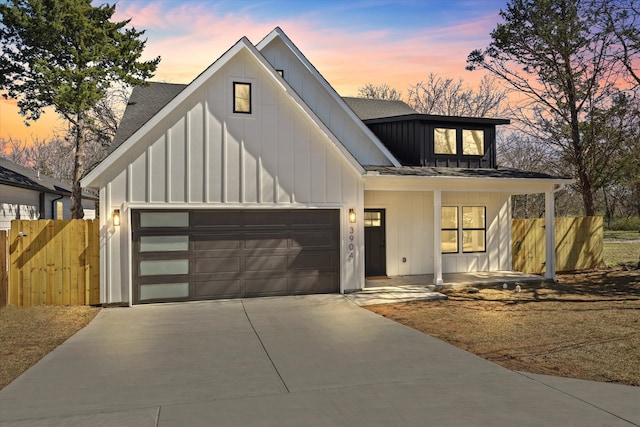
54,262
579,244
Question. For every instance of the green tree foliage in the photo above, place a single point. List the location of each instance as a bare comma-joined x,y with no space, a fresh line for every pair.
558,54
67,54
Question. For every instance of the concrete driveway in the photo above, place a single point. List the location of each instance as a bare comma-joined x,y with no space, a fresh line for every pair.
314,360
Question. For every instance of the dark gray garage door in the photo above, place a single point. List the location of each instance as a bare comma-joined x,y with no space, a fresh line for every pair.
211,254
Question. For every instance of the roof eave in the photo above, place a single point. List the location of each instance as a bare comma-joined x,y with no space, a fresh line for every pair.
514,185
277,32
440,119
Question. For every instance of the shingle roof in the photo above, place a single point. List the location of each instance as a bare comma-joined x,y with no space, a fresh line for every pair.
367,109
18,176
459,172
144,103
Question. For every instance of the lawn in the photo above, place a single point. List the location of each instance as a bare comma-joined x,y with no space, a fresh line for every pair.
619,249
585,326
27,334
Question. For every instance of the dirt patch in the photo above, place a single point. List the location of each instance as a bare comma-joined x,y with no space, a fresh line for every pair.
585,326
28,333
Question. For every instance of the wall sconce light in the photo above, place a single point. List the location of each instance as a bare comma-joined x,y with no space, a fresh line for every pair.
116,217
352,216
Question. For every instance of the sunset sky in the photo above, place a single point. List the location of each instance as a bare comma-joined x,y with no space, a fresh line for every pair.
351,43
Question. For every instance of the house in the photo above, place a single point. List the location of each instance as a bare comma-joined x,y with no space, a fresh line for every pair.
258,179
28,194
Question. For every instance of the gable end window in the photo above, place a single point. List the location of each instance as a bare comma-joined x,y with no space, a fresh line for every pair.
242,97
281,72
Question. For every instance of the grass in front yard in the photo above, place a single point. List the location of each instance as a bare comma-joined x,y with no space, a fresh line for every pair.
586,326
621,235
27,334
621,254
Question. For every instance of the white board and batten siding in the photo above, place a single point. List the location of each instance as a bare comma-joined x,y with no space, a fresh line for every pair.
202,155
352,133
409,231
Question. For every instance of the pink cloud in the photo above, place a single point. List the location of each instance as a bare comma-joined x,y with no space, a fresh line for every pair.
190,36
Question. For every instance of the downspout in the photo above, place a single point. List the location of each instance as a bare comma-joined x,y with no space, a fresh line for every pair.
53,204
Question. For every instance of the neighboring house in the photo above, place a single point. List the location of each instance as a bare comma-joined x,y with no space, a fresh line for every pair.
27,194
258,179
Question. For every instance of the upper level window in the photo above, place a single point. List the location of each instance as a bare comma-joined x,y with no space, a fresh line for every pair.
449,141
281,72
473,142
242,98
444,141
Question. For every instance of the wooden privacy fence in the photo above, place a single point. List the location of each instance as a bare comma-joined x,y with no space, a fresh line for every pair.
54,262
3,268
578,244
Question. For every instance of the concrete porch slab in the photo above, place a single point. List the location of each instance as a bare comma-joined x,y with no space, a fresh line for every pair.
420,287
394,294
455,279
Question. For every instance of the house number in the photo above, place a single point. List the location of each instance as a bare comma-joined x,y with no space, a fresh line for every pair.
351,246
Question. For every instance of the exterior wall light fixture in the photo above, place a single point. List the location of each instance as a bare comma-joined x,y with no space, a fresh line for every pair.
352,216
116,217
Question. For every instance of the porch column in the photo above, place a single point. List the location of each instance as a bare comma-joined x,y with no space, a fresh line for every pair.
437,237
550,235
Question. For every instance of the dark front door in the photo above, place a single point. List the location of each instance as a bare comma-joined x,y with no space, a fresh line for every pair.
375,258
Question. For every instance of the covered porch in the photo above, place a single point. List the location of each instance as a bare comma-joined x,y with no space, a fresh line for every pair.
412,203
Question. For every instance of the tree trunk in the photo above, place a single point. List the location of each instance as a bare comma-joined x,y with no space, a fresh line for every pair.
76,195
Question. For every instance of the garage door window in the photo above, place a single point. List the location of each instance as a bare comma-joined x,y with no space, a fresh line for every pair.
164,291
164,267
164,219
164,243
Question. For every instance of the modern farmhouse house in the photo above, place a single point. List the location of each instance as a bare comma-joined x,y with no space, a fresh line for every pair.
258,179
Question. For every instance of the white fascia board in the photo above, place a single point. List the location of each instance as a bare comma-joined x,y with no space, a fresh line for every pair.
308,111
277,32
91,180
456,183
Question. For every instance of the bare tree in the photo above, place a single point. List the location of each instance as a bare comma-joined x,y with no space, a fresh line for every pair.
381,91
622,19
449,97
